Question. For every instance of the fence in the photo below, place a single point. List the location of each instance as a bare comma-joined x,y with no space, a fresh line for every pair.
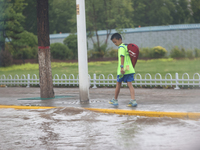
109,81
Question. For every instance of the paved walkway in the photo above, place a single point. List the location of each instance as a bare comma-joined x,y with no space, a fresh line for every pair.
157,100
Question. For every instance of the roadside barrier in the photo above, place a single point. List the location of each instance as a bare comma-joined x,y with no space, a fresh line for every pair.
101,80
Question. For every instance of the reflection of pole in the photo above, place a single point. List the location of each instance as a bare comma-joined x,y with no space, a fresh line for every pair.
82,51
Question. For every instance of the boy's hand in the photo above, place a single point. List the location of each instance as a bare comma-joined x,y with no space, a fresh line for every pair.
122,71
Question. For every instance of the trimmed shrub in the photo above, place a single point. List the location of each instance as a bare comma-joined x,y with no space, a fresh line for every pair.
197,52
145,52
159,52
98,52
112,53
89,53
23,48
95,54
28,39
25,39
189,54
5,58
26,53
177,53
71,42
60,51
183,52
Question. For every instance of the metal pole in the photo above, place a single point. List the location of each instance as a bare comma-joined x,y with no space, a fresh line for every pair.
28,81
177,87
82,51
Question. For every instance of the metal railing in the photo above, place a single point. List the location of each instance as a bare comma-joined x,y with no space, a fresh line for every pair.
101,80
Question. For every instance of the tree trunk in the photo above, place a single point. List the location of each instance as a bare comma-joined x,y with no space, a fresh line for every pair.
44,54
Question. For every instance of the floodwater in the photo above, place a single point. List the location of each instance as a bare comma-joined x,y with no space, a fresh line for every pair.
75,128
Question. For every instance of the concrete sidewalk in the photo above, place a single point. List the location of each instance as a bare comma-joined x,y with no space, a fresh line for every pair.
164,100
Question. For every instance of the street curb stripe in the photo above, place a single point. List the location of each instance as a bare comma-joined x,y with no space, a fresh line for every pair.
26,107
180,115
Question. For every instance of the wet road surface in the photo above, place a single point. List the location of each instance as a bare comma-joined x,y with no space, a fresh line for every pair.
75,128
147,99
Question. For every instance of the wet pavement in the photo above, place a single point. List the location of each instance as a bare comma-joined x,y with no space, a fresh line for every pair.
74,128
79,129
148,99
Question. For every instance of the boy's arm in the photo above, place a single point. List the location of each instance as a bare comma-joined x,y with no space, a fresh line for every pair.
122,63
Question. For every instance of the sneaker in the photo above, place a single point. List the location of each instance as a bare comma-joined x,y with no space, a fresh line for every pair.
132,103
113,102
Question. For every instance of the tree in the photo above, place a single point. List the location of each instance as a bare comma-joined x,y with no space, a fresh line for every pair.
162,12
195,6
44,55
181,13
12,22
26,46
152,12
14,18
107,15
113,13
62,16
30,14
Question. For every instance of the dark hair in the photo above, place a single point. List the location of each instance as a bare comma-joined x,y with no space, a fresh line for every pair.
116,36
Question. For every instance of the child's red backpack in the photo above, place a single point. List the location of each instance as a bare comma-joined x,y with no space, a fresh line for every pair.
133,53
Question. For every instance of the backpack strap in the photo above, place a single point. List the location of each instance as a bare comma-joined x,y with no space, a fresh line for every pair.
121,46
125,50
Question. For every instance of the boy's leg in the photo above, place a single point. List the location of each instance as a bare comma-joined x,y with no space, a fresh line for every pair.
132,102
114,101
117,89
132,91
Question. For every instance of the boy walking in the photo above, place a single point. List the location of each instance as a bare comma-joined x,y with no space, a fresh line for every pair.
125,71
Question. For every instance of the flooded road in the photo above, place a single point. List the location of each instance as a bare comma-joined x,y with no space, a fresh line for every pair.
75,128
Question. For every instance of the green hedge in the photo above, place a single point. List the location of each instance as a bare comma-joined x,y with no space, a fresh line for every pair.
112,53
98,52
197,52
26,53
25,47
155,52
177,53
5,58
158,52
71,42
146,52
60,51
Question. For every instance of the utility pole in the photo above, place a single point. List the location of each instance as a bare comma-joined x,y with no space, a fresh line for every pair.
44,54
82,52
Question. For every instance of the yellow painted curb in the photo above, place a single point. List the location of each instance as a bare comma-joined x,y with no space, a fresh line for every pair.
25,107
181,115
3,86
